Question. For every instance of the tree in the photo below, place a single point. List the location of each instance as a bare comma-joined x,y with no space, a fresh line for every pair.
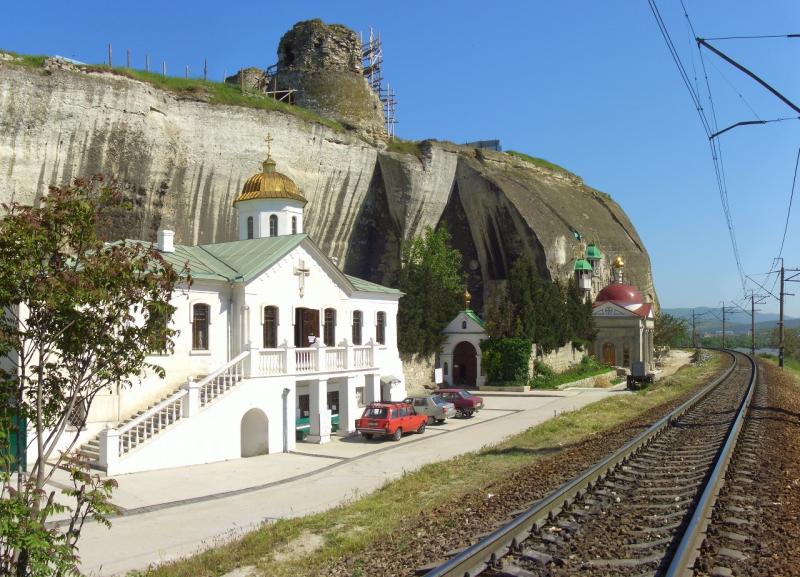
670,331
80,316
433,284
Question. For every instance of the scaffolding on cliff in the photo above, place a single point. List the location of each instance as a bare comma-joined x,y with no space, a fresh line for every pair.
372,66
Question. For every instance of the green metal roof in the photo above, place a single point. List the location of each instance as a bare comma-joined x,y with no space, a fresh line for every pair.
593,252
471,314
243,260
581,264
366,286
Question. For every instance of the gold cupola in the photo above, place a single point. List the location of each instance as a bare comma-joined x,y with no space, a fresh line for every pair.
269,183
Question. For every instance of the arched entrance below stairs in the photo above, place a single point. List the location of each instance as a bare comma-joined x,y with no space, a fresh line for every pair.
255,430
609,354
465,364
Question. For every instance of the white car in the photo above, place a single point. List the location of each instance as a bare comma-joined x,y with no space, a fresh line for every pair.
434,406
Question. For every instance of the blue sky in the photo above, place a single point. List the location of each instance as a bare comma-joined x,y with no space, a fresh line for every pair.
588,85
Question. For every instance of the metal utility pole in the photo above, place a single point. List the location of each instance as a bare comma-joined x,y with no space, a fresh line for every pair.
695,316
752,324
782,294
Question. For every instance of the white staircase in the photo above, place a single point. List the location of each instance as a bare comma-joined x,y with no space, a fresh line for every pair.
114,444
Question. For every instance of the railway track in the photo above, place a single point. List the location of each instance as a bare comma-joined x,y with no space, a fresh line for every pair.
642,511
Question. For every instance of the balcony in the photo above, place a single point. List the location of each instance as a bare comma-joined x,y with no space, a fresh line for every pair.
313,360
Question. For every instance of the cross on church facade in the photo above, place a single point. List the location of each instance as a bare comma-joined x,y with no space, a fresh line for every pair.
269,145
302,272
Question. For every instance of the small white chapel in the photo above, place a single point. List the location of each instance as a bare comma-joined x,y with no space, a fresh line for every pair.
276,347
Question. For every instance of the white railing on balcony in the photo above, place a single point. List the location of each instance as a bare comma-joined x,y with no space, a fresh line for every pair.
305,360
336,358
362,357
222,380
272,362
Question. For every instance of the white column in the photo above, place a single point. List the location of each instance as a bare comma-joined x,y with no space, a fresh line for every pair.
348,405
109,449
372,388
319,415
191,402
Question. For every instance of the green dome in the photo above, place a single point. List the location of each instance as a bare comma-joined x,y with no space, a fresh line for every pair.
593,252
581,264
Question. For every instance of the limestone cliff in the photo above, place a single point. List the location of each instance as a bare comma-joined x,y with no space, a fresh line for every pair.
183,161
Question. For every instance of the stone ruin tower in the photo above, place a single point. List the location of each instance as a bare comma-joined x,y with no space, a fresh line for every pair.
323,62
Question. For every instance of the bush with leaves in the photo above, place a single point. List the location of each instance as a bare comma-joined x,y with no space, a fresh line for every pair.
506,360
81,316
433,284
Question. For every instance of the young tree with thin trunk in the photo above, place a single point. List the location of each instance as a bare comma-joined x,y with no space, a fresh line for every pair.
80,316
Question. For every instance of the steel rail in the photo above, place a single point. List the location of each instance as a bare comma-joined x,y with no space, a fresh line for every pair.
478,557
688,549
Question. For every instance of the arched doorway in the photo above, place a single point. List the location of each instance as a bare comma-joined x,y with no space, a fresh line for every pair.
254,433
465,364
609,354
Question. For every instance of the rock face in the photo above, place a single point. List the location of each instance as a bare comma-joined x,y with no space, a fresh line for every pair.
323,62
183,162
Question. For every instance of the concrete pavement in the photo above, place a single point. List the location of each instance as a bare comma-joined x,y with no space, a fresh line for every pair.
176,512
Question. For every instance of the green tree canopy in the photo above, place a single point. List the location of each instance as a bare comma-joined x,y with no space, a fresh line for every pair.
80,316
670,331
433,284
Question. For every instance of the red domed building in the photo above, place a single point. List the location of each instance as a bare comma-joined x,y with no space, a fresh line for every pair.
624,323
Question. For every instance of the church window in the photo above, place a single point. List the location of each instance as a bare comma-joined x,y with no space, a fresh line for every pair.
294,225
200,319
273,225
329,333
380,328
463,324
250,231
270,327
626,355
357,318
444,369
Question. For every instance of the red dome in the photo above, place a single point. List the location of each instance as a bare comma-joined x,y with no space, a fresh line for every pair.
620,293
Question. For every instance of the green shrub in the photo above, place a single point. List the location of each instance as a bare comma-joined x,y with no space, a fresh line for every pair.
506,360
546,378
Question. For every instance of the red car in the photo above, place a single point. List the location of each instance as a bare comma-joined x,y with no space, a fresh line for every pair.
466,403
391,420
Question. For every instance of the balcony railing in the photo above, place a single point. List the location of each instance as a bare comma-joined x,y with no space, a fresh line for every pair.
314,359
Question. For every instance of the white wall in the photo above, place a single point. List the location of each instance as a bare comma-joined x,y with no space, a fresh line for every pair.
214,434
261,209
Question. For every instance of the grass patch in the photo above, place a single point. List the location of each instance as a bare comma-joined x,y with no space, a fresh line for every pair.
540,162
547,379
212,92
411,147
788,362
352,529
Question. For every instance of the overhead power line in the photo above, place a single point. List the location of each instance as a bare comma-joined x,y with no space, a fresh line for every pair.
755,37
789,210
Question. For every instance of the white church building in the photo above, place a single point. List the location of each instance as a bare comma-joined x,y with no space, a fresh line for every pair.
276,347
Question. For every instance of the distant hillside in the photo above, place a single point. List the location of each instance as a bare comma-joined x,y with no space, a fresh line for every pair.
709,320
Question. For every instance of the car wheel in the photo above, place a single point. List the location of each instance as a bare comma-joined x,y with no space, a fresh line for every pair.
397,434
468,413
422,428
440,421
367,436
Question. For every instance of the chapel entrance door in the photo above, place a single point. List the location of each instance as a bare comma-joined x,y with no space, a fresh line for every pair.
465,364
306,324
609,354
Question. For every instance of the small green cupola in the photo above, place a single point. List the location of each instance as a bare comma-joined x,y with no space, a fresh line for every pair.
583,274
593,254
581,264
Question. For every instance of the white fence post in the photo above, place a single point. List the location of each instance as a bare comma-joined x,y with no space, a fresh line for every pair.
191,402
109,448
349,358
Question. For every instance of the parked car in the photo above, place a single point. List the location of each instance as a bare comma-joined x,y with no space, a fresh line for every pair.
391,420
434,406
465,402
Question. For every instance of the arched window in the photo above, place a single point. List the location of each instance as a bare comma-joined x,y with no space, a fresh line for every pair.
380,328
294,225
273,225
357,321
444,369
463,324
200,320
329,330
270,327
250,230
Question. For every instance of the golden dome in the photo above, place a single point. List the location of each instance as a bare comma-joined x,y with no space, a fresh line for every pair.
618,262
270,184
